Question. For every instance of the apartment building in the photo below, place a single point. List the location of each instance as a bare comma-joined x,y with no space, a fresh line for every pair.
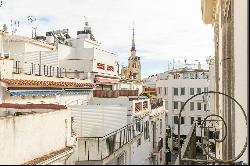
179,85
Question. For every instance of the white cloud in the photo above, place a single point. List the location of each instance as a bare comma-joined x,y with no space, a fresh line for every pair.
163,28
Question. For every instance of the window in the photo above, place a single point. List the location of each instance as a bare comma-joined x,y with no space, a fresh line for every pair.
175,91
182,120
159,90
205,107
138,126
146,130
182,91
192,120
175,105
198,90
191,106
191,91
176,120
139,142
199,120
198,106
182,103
206,90
165,91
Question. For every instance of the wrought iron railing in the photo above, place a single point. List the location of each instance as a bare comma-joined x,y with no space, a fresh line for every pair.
114,93
188,153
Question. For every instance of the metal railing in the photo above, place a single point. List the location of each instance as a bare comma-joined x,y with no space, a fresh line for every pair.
114,93
188,153
101,148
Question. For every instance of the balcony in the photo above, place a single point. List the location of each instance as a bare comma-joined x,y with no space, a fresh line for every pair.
101,150
211,140
204,152
114,93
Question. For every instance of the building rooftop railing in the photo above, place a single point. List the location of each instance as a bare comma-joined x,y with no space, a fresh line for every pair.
114,93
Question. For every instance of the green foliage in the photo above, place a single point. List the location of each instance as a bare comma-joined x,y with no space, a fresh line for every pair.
17,113
145,94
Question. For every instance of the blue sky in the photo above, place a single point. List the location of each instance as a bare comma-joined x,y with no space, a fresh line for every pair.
164,29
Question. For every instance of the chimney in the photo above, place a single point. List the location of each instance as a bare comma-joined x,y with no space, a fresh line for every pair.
199,65
49,37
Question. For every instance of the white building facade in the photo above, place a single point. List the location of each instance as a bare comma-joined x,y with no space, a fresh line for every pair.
176,90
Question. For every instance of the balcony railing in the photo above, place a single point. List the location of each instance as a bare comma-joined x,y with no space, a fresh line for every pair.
213,131
102,149
114,93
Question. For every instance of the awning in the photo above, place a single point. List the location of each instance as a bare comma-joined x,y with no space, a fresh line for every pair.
106,79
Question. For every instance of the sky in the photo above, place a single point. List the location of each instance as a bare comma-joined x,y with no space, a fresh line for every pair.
165,30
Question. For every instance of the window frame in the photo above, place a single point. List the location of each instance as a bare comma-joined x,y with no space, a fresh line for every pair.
198,89
174,102
192,120
176,94
199,104
182,94
191,91
190,106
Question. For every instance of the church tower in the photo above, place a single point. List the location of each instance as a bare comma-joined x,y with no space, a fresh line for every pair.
133,70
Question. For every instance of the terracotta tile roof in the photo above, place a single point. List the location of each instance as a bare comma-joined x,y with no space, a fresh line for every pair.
47,156
46,83
33,106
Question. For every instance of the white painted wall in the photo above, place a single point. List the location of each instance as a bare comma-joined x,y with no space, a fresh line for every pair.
30,136
187,113
140,154
129,86
67,99
65,52
98,120
241,74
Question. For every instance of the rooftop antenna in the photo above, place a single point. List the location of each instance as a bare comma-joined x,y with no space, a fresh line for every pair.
14,25
173,63
32,19
86,21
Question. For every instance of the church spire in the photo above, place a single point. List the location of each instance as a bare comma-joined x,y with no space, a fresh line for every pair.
133,40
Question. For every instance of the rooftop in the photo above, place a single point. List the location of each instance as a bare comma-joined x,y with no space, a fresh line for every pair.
30,40
182,70
10,110
51,155
61,82
33,106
